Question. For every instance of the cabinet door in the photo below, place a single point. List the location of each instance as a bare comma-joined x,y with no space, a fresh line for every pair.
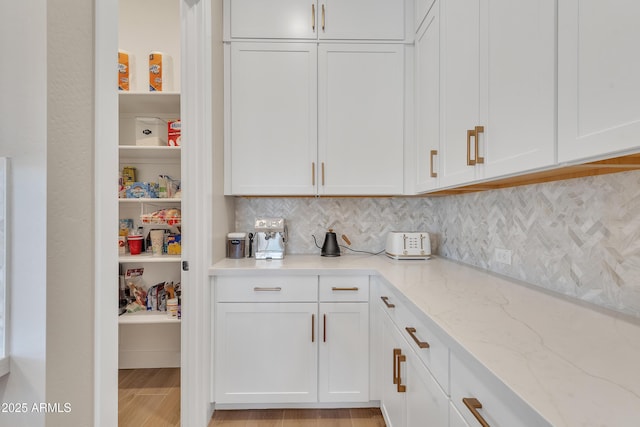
455,419
361,99
460,85
361,19
273,138
344,352
427,404
598,85
293,19
517,80
427,78
266,352
393,403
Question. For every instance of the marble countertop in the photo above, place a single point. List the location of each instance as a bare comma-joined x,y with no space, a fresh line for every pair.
574,364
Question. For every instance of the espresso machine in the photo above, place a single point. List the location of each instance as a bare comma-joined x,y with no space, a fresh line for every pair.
270,238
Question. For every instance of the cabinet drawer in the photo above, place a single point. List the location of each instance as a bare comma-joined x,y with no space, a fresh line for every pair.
266,289
473,383
344,288
421,336
428,346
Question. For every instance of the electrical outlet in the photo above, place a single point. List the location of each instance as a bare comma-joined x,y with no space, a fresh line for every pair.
503,256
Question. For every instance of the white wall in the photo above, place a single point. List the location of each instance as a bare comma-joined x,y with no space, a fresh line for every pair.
46,117
70,226
23,120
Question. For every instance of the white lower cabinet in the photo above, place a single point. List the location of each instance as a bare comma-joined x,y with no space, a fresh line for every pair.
478,395
274,343
455,418
344,352
410,395
266,352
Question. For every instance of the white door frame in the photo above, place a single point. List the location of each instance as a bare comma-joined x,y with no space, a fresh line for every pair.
197,177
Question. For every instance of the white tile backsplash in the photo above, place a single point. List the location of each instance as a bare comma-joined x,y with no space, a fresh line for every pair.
578,237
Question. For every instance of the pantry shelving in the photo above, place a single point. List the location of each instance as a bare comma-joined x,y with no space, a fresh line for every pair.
146,317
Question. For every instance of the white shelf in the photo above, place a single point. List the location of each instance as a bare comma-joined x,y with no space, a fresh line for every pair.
146,317
144,152
148,258
150,201
159,102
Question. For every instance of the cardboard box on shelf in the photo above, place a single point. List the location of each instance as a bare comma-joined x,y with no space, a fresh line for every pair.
174,137
151,131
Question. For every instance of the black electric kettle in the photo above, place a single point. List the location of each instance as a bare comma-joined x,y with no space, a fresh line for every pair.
330,246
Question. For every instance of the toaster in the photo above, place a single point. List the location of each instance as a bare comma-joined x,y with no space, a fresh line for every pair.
408,245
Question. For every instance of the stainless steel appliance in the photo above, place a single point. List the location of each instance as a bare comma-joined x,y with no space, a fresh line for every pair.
408,245
270,238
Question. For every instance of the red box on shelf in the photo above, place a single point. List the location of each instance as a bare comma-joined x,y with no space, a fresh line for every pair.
174,133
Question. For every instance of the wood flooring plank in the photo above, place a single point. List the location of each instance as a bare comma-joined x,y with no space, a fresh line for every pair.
366,417
301,418
162,382
168,412
138,410
362,417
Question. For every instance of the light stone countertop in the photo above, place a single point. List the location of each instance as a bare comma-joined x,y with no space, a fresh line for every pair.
574,364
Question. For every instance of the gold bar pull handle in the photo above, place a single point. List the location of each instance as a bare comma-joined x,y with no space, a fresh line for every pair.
478,130
323,17
396,353
470,134
401,387
324,328
313,17
323,169
386,302
431,156
473,405
313,328
335,288
263,289
412,334
313,174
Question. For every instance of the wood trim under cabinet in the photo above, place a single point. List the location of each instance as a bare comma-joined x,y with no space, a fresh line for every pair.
601,167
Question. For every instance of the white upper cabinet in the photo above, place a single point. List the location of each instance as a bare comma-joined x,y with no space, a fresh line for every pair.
517,71
427,101
272,116
598,79
277,19
460,85
361,119
498,82
313,19
361,19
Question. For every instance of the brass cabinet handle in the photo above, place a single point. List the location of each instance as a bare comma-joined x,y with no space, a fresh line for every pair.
355,288
313,17
431,156
386,302
323,17
324,328
396,353
313,173
401,358
470,134
262,289
473,405
313,328
412,332
478,130
322,173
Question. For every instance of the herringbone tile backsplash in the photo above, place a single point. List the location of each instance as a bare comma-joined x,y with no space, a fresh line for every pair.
578,237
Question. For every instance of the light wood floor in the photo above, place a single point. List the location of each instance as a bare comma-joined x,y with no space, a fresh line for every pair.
366,417
151,398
